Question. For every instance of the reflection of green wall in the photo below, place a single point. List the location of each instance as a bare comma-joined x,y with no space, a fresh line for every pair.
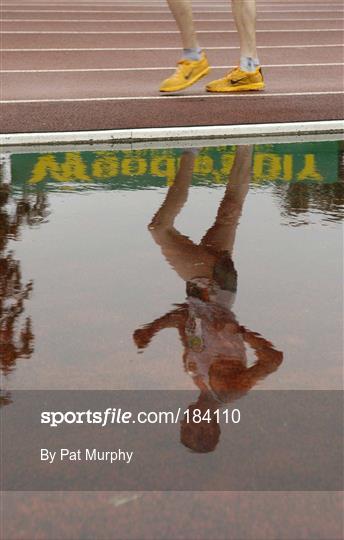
137,169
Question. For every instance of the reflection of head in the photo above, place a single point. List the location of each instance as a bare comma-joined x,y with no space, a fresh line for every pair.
203,436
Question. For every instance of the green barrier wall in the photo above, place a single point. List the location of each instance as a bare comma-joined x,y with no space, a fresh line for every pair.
142,169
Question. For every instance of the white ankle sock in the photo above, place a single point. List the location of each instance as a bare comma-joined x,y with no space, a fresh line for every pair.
192,54
249,64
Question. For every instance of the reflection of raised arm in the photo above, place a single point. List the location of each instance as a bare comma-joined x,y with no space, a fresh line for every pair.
268,358
174,319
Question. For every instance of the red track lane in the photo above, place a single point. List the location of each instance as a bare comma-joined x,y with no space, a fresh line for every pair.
181,516
22,86
142,26
47,41
137,16
184,112
86,13
157,58
298,40
158,4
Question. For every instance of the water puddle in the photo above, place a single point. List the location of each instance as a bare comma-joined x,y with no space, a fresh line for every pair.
216,267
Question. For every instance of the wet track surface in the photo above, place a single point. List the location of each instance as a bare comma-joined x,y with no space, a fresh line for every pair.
98,250
85,66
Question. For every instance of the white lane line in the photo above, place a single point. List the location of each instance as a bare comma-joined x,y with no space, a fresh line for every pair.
169,20
102,32
151,9
161,11
87,70
168,97
162,3
151,5
183,133
144,7
159,2
137,49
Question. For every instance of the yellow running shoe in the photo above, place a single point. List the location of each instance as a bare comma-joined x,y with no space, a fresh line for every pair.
187,73
238,80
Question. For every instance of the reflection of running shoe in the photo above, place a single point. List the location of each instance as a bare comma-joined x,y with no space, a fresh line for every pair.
187,73
238,80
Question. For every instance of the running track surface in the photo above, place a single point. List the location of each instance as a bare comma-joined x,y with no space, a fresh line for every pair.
97,64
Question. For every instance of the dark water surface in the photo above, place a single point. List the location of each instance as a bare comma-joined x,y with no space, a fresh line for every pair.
218,268
94,299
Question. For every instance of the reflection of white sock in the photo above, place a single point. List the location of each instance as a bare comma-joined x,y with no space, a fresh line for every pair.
192,54
249,64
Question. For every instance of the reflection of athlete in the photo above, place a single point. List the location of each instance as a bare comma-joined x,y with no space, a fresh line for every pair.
194,63
214,342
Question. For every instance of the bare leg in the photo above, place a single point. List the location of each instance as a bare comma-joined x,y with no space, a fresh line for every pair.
182,12
221,235
194,63
244,12
177,194
187,258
